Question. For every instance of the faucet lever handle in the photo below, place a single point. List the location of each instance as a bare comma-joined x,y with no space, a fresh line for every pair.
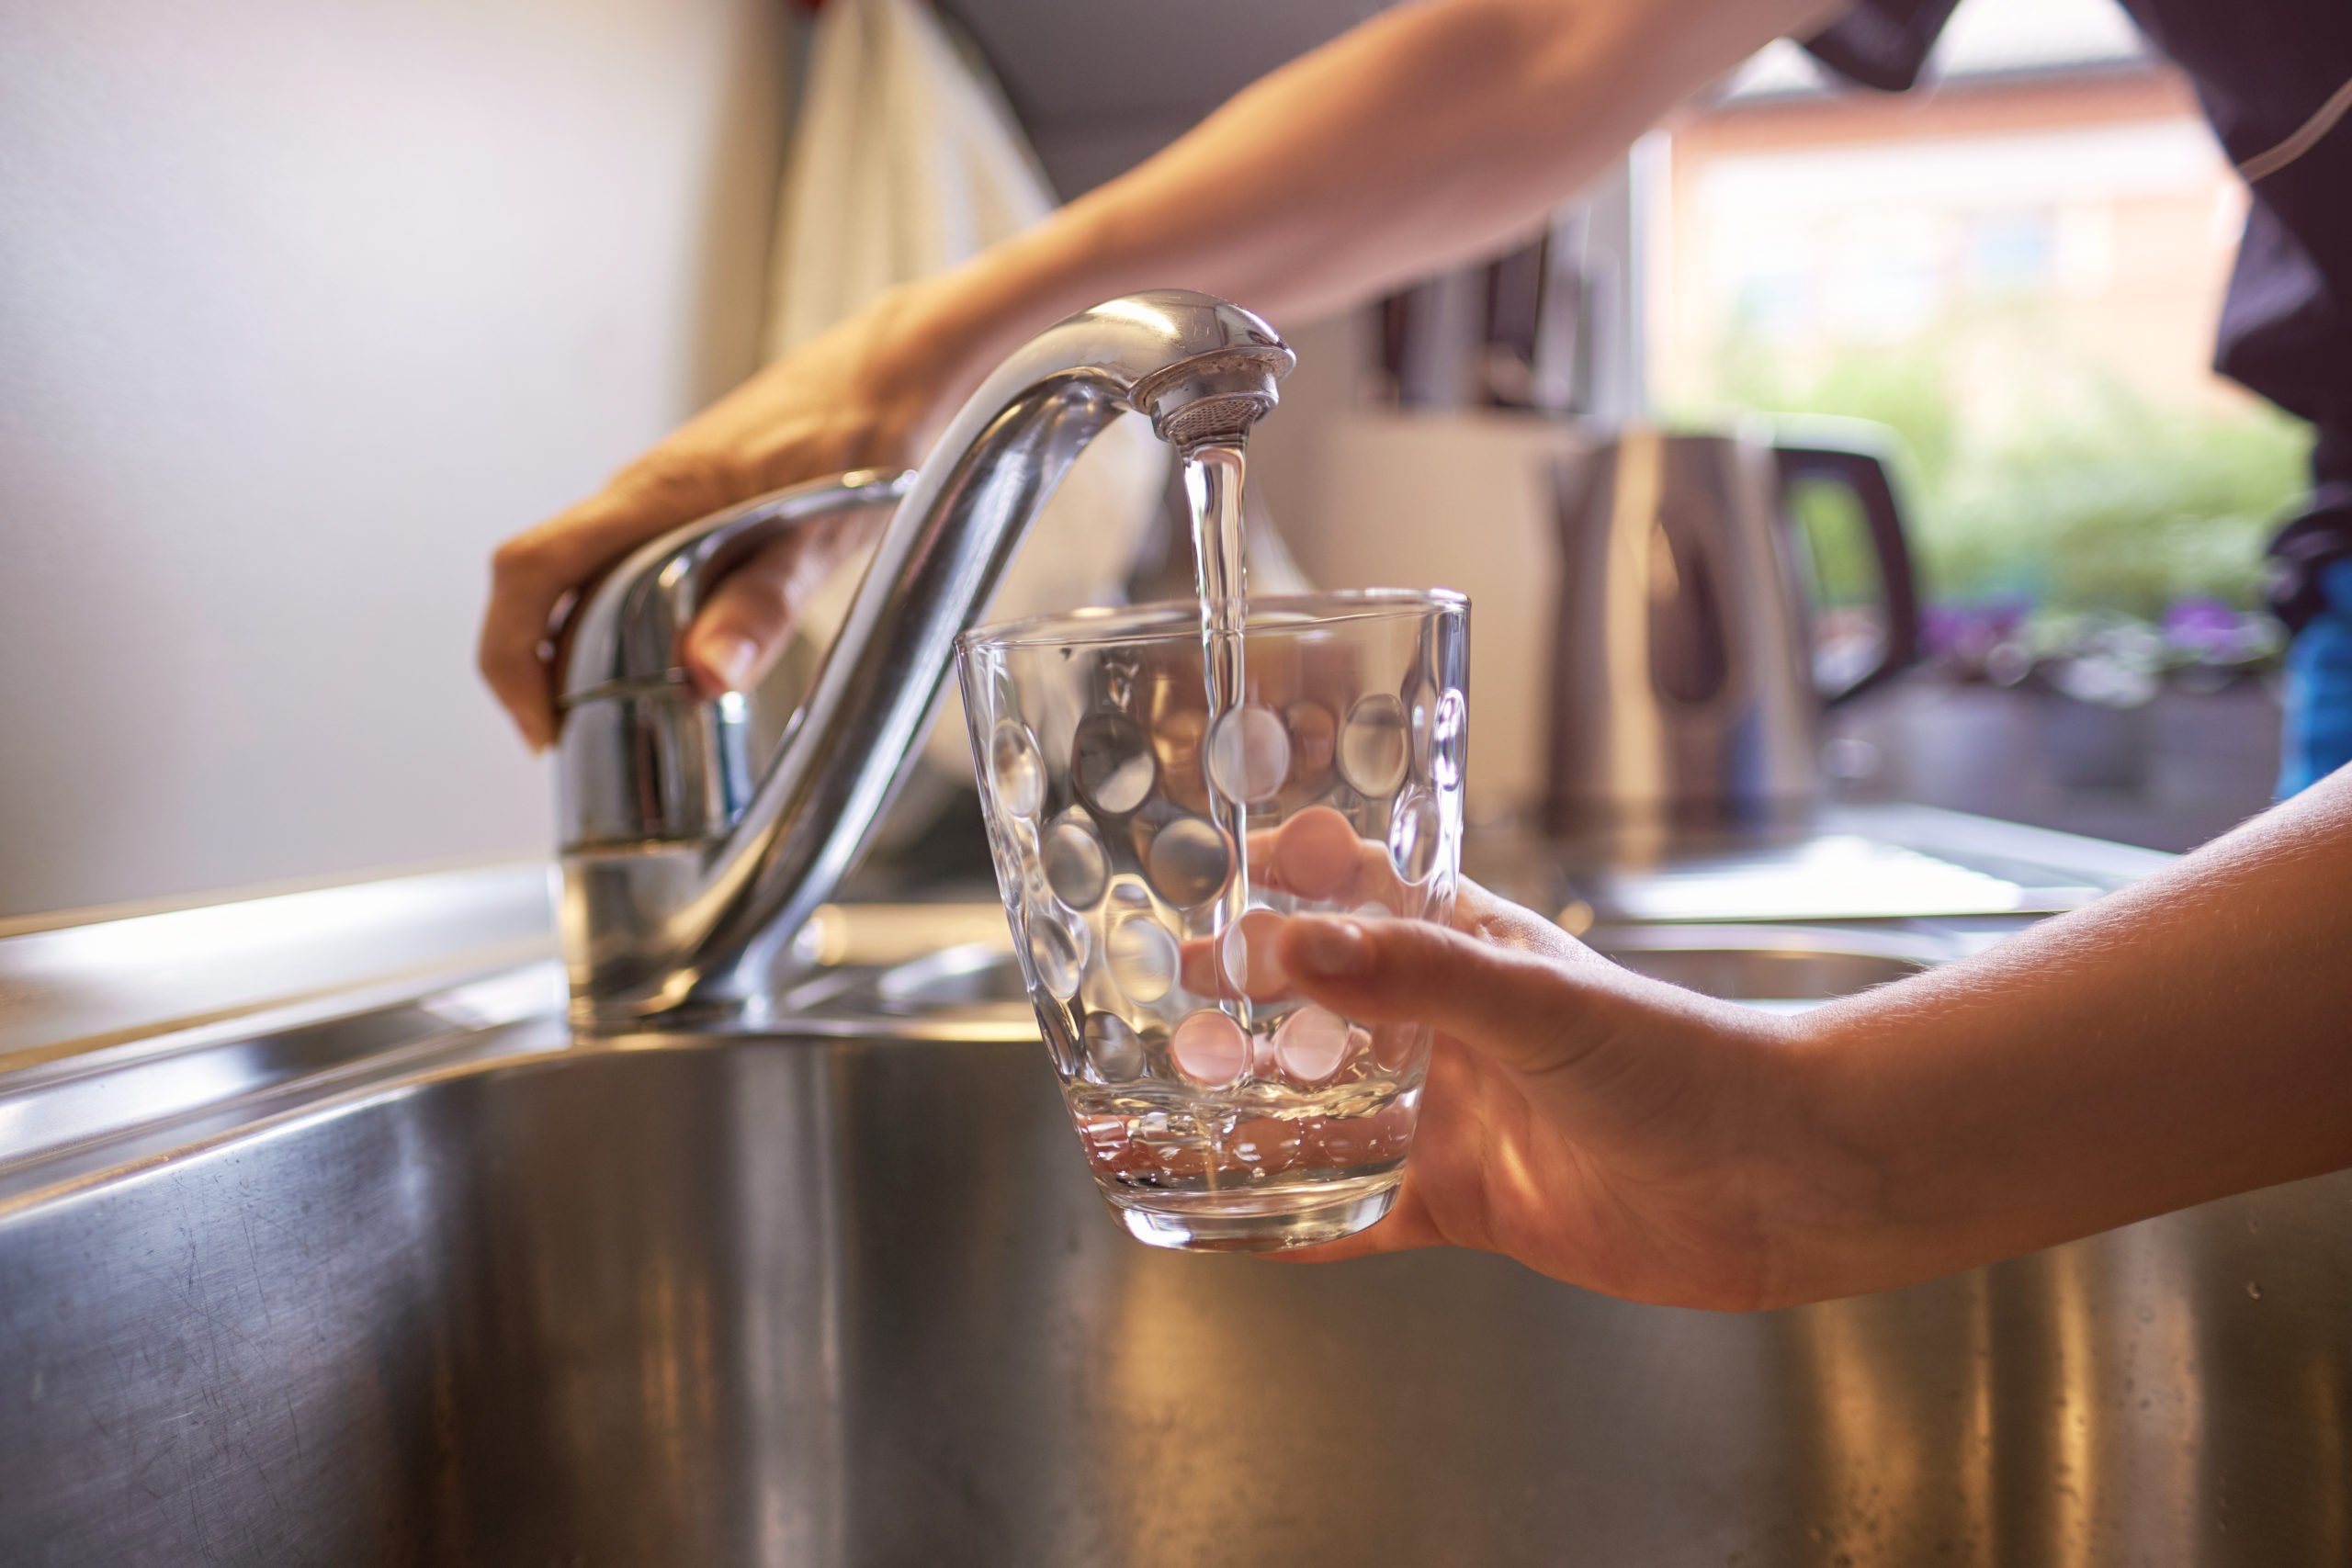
626,633
643,757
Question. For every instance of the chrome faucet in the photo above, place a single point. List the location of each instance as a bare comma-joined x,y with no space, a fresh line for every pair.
684,880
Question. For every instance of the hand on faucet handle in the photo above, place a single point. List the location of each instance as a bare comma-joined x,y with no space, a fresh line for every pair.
862,396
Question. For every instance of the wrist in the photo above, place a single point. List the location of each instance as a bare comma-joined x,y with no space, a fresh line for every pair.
940,336
922,337
1835,1166
913,355
1922,1147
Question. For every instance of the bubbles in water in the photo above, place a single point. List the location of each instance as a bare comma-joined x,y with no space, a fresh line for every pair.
1076,869
1016,773
1209,1048
1058,949
1311,1044
1248,754
1112,764
1449,738
1247,950
1189,861
1372,745
1142,954
1413,834
1113,1048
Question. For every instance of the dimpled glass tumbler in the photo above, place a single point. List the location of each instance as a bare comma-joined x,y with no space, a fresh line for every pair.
1148,852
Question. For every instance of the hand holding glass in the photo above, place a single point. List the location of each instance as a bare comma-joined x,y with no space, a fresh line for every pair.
1148,854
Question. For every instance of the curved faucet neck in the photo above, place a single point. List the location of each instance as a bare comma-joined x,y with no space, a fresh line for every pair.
694,926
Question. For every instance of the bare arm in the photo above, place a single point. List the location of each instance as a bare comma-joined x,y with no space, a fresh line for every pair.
1415,139
2187,1039
1419,140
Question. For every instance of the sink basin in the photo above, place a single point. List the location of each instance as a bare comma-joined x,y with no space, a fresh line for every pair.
1779,967
403,1275
797,1300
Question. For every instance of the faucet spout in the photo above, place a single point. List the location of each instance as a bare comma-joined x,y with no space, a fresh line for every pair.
684,917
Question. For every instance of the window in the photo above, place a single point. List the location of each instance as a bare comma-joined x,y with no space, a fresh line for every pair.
2018,267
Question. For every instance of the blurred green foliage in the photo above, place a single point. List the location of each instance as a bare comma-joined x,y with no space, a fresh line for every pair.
2078,495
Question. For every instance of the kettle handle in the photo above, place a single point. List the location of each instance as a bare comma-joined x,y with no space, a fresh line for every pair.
1864,473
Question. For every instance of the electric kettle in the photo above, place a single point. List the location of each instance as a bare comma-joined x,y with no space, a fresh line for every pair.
1687,689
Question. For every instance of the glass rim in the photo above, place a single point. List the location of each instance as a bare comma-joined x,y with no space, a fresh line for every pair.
1179,619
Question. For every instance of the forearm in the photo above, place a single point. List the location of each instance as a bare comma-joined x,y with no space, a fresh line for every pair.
1418,139
2183,1039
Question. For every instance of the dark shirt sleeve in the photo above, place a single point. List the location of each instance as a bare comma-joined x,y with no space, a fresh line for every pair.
1882,43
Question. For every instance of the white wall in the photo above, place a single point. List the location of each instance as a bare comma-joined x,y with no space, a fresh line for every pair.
304,304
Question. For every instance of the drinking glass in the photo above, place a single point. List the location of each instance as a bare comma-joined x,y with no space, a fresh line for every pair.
1148,852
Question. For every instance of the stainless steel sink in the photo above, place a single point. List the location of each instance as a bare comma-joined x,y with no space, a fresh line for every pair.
473,1295
1780,967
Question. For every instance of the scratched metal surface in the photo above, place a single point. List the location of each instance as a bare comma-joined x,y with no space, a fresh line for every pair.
783,1301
